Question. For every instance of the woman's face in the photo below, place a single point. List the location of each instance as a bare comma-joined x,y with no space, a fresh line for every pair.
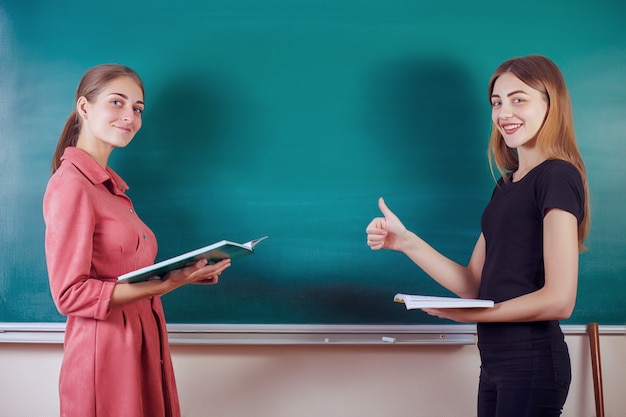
115,116
517,110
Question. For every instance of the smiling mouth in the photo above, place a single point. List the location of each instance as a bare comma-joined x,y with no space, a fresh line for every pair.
511,127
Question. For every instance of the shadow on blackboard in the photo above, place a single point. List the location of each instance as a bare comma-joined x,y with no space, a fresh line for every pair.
423,115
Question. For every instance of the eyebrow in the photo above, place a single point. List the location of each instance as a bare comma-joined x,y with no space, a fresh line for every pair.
125,97
511,93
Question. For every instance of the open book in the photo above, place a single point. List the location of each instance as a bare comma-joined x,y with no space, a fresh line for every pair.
425,301
216,252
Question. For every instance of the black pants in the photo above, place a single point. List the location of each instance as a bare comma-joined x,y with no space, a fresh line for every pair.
524,382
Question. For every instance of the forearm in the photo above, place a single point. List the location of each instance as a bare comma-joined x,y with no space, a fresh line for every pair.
124,293
196,273
540,305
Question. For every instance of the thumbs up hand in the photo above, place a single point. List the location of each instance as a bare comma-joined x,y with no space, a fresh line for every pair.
386,232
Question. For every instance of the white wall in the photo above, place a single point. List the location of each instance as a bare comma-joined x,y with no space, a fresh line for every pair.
315,381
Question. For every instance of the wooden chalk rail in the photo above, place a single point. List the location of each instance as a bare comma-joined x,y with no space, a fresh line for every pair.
596,367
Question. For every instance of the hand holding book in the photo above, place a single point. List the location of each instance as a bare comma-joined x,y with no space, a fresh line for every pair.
213,253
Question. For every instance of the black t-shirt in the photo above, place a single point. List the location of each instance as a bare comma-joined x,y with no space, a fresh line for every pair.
512,225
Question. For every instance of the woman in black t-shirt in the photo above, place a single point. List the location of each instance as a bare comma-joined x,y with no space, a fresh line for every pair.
526,258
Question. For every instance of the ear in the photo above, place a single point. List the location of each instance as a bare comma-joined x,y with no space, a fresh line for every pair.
82,107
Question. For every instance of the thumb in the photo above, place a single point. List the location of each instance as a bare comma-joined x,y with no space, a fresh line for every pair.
384,209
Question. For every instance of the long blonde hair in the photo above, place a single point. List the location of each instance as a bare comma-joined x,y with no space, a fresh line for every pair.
91,84
556,137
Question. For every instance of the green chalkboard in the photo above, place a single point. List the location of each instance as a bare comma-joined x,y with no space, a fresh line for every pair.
289,119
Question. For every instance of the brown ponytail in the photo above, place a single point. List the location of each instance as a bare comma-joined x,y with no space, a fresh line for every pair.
69,137
92,83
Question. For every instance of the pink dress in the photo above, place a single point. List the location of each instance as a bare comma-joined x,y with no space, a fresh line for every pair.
116,361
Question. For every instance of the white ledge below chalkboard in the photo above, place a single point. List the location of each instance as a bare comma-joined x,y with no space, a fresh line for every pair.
259,334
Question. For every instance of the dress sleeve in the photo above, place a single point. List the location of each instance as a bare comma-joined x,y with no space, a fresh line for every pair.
562,187
70,224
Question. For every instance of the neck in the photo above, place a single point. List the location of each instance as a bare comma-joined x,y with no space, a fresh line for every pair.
527,161
99,153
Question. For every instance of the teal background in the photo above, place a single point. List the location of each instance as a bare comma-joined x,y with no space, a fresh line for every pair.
289,118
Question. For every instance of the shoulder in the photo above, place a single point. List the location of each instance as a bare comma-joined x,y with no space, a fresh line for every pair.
68,187
560,166
68,177
560,185
556,172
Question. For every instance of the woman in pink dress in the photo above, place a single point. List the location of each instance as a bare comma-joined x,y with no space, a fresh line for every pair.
116,356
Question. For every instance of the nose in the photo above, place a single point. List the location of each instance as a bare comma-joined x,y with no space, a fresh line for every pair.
129,116
505,111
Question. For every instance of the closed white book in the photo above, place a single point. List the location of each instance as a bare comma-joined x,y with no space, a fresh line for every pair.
424,301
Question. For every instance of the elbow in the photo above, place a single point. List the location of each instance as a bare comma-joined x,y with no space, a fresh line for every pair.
71,302
564,315
564,310
559,302
64,304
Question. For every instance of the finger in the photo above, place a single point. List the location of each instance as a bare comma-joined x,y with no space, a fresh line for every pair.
201,263
429,311
376,237
217,269
375,244
376,230
207,274
384,209
377,224
206,281
223,264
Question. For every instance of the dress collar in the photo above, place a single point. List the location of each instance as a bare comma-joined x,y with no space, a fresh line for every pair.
93,171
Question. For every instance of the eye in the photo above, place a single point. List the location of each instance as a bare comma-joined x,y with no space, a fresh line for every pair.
116,102
495,103
138,110
518,100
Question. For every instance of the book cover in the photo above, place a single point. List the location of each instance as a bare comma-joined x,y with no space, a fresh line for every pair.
215,252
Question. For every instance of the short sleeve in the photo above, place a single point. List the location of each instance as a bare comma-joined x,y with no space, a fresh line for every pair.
561,187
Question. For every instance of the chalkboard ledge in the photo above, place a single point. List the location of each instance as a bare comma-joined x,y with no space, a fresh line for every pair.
255,334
